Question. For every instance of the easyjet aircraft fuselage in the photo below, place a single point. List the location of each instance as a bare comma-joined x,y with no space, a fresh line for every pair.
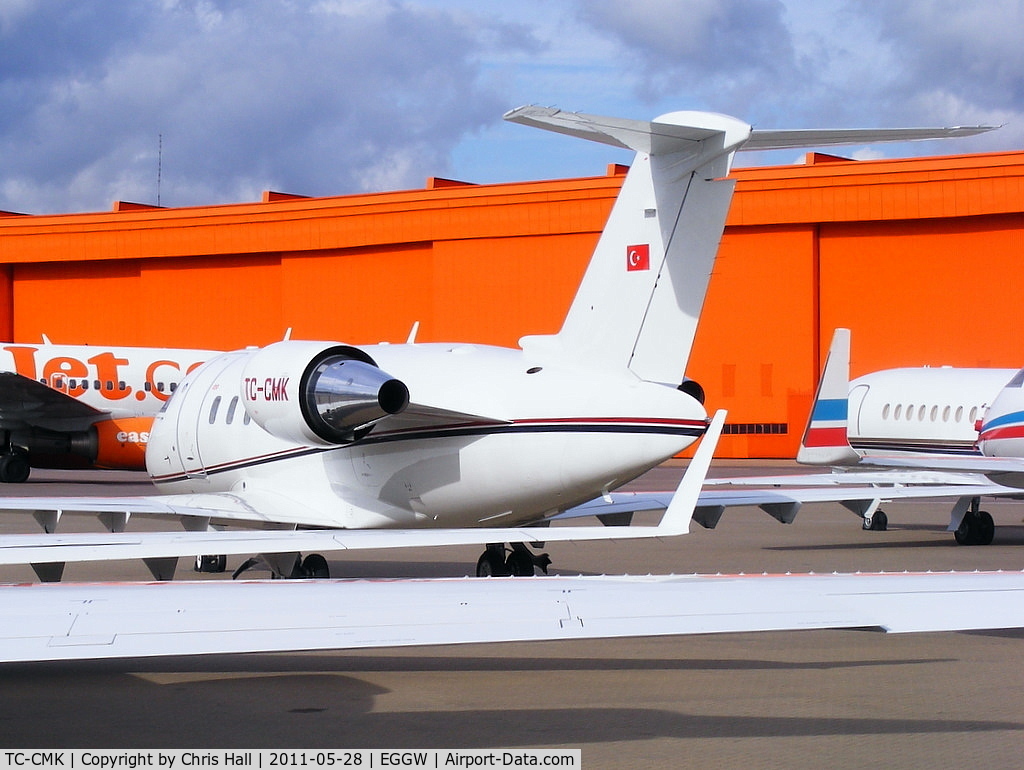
81,405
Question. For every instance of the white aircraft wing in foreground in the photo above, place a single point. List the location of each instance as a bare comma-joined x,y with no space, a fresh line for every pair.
82,621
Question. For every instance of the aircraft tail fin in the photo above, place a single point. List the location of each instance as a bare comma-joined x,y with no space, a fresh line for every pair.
825,440
641,296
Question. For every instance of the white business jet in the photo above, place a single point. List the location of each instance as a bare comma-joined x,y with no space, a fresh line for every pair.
428,444
79,406
925,422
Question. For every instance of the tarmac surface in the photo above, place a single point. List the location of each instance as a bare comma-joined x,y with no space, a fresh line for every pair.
807,699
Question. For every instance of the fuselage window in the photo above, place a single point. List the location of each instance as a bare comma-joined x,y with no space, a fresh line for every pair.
231,410
899,410
96,384
110,384
934,414
213,409
246,419
910,412
959,413
974,415
885,412
920,413
945,414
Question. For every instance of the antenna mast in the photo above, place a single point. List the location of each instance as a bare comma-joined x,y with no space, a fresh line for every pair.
159,165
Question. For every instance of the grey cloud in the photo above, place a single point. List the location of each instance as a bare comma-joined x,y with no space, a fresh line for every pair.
321,98
699,46
972,51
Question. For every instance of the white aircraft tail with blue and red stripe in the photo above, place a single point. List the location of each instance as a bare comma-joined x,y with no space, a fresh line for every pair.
826,437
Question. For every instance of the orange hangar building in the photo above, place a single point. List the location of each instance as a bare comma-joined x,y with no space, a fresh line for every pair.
921,258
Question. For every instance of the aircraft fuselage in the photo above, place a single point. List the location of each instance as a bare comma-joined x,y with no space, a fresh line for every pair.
493,437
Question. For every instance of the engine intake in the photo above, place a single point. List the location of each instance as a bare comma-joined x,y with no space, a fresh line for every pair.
319,393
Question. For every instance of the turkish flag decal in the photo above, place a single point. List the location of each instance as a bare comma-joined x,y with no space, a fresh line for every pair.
638,257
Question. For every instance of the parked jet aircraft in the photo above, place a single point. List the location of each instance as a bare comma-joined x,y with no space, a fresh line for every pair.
73,406
926,419
420,444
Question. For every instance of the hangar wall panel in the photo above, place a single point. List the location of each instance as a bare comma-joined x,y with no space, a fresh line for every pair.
925,292
358,295
79,302
497,290
755,347
211,303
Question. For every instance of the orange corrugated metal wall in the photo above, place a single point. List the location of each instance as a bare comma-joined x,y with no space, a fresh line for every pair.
876,246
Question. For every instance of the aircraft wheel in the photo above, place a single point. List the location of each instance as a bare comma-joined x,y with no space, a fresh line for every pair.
986,528
519,563
879,521
14,468
970,530
492,562
211,563
315,566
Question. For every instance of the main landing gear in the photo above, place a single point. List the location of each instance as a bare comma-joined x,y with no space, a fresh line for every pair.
14,466
499,561
287,565
976,527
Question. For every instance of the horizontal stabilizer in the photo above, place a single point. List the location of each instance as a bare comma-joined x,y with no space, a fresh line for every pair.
659,137
770,139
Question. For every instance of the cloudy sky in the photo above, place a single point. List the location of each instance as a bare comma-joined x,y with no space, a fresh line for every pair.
326,97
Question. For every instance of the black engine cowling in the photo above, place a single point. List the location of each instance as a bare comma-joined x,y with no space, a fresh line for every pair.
319,393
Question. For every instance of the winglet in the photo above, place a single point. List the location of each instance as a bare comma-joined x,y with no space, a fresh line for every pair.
825,440
676,520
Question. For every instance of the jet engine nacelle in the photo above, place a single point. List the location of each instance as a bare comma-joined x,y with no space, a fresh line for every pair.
318,393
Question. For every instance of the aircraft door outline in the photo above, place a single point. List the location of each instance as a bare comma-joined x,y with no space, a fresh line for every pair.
190,416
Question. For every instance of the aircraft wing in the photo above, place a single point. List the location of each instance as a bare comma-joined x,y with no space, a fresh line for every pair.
121,620
50,549
781,502
26,402
992,467
783,505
